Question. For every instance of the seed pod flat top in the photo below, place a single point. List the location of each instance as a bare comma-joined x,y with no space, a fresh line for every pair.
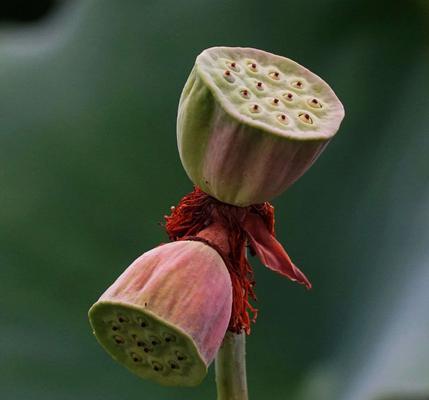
250,123
271,92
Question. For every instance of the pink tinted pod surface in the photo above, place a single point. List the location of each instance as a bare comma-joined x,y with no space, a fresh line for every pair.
165,317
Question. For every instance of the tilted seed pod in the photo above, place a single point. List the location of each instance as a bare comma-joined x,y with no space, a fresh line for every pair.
250,123
165,317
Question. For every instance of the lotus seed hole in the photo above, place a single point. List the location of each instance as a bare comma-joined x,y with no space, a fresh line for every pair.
304,117
119,339
142,322
173,365
274,75
288,96
252,66
141,344
314,103
169,338
245,93
157,366
275,101
233,66
136,358
259,86
254,108
155,341
180,356
297,84
147,350
115,328
122,319
283,118
228,76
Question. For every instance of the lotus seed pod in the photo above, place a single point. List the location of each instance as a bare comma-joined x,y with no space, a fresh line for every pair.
165,317
250,123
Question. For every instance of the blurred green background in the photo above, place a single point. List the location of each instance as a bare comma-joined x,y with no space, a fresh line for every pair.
89,166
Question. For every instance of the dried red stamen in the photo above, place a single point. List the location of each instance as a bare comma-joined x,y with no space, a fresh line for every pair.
229,229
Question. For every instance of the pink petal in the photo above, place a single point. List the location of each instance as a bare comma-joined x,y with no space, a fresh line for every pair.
270,252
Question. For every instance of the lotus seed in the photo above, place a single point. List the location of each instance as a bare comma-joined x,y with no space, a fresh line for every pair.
122,319
259,85
154,340
255,108
142,322
173,365
157,366
119,339
275,102
136,358
314,103
245,93
274,75
169,338
282,118
252,66
180,356
297,84
228,76
288,96
304,117
234,66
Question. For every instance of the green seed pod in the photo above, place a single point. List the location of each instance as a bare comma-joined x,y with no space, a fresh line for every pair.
165,317
250,123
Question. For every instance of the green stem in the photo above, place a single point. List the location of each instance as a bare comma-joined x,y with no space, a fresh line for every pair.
230,367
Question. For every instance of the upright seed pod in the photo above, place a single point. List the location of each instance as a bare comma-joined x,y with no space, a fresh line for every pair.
165,317
250,123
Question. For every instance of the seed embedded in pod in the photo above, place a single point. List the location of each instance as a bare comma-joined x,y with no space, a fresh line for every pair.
304,117
143,323
275,101
283,118
288,96
233,66
255,109
253,67
274,75
314,103
259,86
173,364
156,366
119,339
123,319
169,338
245,93
297,84
228,76
136,358
155,341
180,356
